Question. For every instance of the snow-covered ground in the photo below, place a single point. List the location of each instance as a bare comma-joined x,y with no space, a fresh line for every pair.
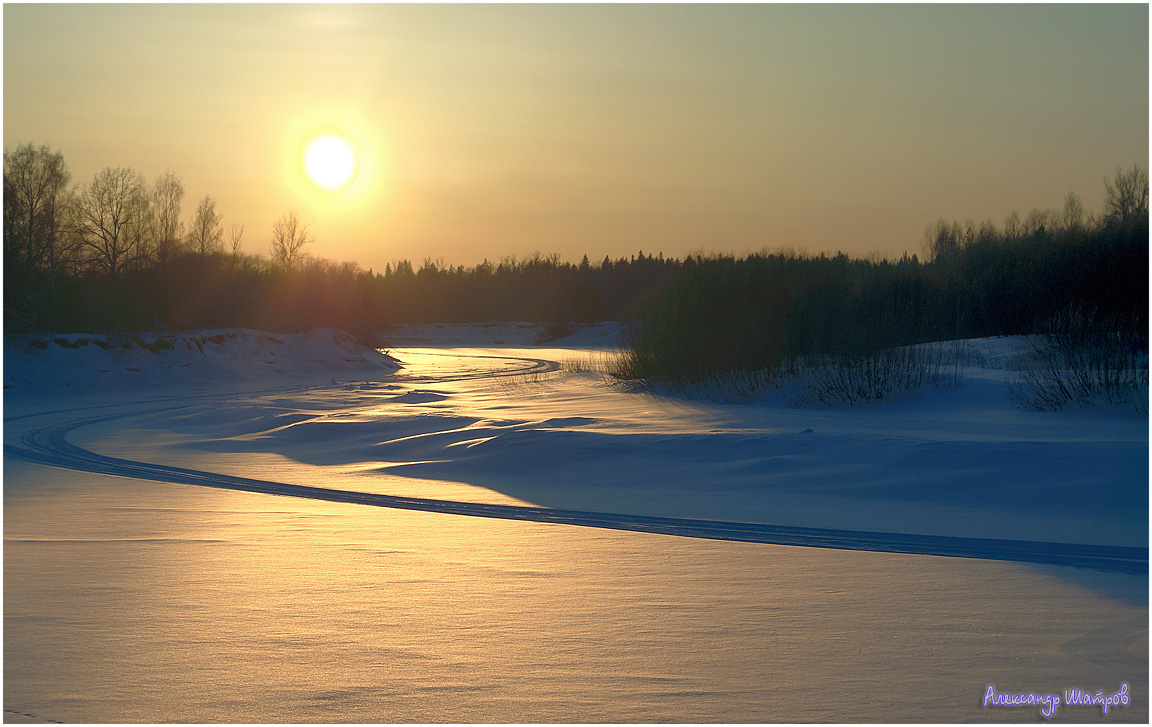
597,625
130,363
959,461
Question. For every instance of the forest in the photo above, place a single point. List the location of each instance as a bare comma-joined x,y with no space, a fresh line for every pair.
114,254
725,314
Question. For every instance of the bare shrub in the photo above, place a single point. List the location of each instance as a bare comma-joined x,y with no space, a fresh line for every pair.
862,378
1080,360
873,376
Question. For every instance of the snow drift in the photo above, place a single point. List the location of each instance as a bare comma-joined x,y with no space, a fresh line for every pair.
126,362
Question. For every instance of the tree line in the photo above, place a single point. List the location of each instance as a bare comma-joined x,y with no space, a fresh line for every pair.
764,311
1125,200
116,254
65,244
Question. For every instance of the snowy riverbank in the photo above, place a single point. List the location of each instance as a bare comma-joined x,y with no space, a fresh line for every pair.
505,425
126,363
151,502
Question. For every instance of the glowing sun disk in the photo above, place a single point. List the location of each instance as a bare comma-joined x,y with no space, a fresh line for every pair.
330,161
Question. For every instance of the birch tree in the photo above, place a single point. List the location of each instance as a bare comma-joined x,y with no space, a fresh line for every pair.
289,237
35,187
112,210
167,229
207,232
1126,195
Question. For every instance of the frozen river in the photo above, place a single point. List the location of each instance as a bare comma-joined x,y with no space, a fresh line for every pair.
131,600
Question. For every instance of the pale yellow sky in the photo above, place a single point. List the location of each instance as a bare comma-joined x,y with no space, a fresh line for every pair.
590,129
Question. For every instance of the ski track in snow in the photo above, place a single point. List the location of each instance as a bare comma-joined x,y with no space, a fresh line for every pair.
49,446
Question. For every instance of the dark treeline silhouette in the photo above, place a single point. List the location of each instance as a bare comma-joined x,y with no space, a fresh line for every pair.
536,288
760,312
113,254
214,291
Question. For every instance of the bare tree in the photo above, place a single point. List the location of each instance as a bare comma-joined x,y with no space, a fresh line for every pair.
1012,226
167,229
1073,212
1126,196
289,237
37,206
35,187
1039,222
942,239
237,234
112,212
987,232
969,232
207,232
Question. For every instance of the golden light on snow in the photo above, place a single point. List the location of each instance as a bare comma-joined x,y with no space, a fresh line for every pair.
329,160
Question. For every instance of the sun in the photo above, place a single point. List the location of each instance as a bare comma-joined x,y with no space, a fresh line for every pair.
329,159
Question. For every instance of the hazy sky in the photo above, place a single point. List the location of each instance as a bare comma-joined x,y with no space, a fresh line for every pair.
497,130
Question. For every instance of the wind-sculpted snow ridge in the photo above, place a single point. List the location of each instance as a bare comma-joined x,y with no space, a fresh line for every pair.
49,446
128,362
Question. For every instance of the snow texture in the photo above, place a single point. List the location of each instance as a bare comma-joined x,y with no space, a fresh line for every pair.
512,428
128,362
240,606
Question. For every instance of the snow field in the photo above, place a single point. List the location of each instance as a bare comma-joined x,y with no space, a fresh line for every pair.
960,461
337,612
126,363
